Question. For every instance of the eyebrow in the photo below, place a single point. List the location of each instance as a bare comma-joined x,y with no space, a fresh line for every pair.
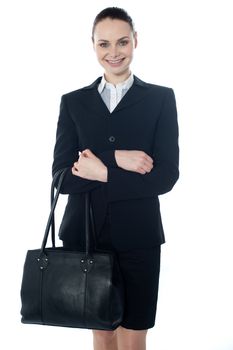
106,41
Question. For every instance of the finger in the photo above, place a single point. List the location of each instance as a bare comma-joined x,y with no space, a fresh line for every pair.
147,165
149,159
86,152
146,160
74,170
142,171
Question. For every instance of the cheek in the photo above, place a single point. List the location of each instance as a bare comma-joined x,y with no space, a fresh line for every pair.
100,54
128,50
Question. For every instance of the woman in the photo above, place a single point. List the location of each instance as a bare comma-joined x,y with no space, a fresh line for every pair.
119,136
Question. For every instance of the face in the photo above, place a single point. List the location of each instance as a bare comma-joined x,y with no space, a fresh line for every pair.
114,44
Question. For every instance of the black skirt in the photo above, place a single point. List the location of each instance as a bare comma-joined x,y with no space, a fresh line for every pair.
140,269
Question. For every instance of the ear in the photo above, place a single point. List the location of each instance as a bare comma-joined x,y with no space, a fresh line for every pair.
93,43
135,40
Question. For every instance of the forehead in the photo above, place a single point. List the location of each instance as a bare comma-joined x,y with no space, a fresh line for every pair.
112,29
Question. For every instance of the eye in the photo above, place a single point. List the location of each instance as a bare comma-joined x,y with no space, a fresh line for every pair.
103,44
123,42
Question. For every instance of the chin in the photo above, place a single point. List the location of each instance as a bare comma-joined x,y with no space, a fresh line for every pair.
116,71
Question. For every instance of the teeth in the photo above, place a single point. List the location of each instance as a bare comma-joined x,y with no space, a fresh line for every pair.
116,61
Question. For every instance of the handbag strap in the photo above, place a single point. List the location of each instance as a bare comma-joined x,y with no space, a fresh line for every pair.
51,221
89,208
56,175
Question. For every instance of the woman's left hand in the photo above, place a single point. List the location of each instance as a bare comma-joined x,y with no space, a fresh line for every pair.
90,167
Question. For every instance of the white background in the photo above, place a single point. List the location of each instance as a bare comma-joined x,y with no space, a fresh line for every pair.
46,51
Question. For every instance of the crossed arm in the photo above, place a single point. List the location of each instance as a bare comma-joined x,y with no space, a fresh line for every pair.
91,167
125,173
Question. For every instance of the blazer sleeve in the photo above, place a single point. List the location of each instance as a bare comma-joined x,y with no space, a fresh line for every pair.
66,153
123,184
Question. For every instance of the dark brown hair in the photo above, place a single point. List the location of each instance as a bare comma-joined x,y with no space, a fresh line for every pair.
113,13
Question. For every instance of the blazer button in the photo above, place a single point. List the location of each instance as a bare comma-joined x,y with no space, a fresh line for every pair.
111,138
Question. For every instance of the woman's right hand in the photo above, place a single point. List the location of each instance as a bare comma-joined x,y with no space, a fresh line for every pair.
137,161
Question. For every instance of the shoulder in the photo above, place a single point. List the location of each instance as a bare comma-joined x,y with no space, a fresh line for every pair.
154,89
79,93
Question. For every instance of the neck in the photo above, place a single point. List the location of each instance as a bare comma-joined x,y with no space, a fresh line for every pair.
116,79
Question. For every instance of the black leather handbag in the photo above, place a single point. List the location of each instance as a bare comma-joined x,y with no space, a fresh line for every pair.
69,288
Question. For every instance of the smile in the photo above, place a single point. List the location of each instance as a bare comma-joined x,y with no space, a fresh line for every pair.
115,62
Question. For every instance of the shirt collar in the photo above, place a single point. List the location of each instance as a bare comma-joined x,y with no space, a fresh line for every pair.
123,85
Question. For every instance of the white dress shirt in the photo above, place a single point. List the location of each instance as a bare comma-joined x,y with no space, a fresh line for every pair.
112,94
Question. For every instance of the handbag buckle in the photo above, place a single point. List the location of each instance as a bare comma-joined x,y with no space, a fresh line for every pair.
42,261
86,264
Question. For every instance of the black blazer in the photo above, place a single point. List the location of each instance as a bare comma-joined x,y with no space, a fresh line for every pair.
145,119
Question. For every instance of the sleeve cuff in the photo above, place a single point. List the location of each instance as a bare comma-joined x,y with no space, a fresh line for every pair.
108,158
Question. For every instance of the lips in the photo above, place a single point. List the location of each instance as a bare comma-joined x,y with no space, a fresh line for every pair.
115,62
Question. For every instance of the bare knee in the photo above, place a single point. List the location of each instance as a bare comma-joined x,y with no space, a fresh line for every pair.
104,337
129,339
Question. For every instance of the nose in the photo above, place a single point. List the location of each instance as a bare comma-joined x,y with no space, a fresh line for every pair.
113,51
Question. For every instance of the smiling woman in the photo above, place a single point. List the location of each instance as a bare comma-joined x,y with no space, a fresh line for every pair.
119,136
114,42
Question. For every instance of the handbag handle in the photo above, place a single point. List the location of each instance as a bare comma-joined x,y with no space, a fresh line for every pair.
51,221
53,218
51,204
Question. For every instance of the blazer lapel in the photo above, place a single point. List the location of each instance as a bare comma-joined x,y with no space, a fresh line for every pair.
137,92
94,102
